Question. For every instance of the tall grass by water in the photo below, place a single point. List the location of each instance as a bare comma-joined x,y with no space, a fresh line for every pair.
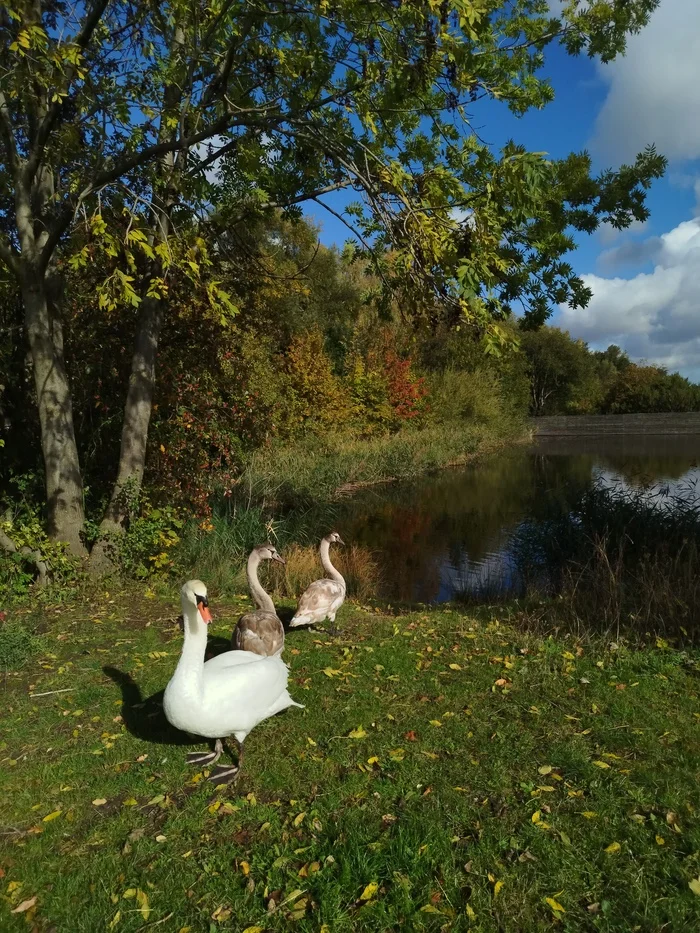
619,560
289,494
327,467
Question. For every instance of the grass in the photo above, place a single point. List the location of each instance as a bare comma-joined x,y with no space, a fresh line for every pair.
337,464
448,773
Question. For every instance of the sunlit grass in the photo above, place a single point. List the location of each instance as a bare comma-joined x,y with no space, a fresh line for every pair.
457,774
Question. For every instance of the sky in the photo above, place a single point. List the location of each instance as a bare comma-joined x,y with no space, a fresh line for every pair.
646,280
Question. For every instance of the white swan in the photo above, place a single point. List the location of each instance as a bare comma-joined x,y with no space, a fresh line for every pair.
229,695
322,598
260,631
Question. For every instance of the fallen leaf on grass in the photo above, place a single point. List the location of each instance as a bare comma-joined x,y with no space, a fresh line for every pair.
99,801
613,848
470,912
358,733
115,920
369,891
142,901
254,930
555,905
544,769
497,888
455,667
694,885
25,905
245,868
221,914
299,818
660,841
51,816
411,736
601,764
589,814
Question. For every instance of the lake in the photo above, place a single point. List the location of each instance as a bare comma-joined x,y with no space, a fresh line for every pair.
451,534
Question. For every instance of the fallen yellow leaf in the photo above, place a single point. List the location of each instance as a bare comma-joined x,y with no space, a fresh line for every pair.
589,814
470,912
613,848
51,816
358,733
694,885
254,930
369,891
544,769
601,764
299,818
536,816
455,667
497,887
660,841
99,802
555,905
245,868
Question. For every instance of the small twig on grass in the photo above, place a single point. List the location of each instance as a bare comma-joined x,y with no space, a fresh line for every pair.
51,692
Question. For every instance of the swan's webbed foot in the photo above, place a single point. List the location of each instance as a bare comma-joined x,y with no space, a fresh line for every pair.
206,758
201,758
225,774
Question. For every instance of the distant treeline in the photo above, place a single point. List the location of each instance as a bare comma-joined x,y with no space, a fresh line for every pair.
566,377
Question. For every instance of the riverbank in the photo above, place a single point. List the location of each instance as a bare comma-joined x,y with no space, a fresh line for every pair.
293,493
328,468
447,773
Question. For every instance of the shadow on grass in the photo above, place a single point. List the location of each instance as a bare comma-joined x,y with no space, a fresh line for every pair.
145,718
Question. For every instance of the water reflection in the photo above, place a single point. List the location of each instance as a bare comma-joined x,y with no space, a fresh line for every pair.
451,533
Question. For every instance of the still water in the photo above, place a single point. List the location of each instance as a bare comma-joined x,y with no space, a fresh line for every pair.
452,533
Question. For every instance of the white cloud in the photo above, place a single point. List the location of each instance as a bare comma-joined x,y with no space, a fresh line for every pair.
653,95
653,316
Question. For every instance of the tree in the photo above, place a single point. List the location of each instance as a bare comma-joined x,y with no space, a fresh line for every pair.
650,389
558,367
113,113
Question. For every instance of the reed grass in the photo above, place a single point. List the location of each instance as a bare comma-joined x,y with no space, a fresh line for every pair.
357,564
620,562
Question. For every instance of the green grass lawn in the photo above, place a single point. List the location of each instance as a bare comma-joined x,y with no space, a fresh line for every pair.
448,773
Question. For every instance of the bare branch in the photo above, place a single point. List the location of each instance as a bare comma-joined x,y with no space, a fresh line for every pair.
7,134
82,40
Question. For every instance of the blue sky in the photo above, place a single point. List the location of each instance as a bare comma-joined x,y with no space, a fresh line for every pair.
645,281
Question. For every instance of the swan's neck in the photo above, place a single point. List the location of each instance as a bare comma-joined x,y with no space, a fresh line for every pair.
328,566
261,599
191,661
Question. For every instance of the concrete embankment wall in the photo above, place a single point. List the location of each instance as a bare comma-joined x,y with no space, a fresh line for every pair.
617,425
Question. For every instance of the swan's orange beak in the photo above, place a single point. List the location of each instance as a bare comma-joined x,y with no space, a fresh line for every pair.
204,612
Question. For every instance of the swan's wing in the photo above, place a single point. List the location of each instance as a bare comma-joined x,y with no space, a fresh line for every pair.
319,595
229,659
259,632
244,694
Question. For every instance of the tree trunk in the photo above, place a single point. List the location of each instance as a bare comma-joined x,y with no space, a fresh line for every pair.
137,416
64,485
